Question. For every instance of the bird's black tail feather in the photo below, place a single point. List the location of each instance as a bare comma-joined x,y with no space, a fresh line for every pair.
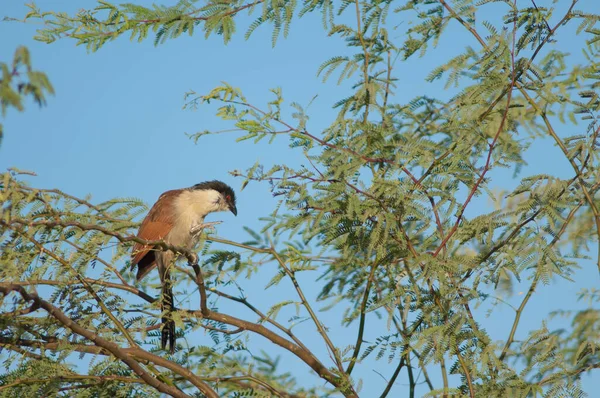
168,328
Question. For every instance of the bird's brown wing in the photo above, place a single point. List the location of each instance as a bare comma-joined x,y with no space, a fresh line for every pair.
157,224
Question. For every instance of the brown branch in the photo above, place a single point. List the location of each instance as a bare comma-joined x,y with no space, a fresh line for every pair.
305,355
464,23
262,316
465,369
32,308
212,238
55,346
113,348
21,351
137,353
411,377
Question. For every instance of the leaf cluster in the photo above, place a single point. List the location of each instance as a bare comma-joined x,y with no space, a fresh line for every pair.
20,81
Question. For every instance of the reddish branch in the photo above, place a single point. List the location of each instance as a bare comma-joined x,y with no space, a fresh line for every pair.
109,346
492,145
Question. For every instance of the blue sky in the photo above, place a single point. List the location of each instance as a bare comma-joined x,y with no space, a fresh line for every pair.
117,109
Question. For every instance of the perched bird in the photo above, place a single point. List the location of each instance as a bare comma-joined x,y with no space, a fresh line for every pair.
177,218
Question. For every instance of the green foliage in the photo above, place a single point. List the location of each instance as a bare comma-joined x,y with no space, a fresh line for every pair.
106,22
383,212
19,81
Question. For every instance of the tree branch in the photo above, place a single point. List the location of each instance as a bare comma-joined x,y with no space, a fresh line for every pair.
305,355
361,326
143,295
513,330
111,347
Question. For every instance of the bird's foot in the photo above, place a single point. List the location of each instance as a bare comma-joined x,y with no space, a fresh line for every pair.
196,229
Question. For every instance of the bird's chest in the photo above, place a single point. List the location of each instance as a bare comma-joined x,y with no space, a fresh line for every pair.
181,234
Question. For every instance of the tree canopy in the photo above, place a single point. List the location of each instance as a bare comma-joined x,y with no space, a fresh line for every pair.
383,214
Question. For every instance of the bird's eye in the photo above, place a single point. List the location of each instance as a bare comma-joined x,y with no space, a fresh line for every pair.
228,197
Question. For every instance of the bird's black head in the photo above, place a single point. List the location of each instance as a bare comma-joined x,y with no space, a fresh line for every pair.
225,190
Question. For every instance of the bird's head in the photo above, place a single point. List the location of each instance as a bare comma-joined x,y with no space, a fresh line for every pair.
221,195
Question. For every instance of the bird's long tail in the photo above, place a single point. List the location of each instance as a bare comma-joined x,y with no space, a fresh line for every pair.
168,328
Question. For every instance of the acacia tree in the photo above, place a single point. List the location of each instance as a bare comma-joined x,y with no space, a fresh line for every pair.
380,213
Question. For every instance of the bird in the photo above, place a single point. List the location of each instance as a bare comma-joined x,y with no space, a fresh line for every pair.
177,217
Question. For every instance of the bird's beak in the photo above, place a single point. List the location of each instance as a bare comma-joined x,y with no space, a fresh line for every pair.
233,209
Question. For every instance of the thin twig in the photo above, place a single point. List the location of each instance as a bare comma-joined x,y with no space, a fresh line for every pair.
87,286
392,380
305,355
519,312
143,295
308,307
578,172
361,325
492,145
359,33
261,315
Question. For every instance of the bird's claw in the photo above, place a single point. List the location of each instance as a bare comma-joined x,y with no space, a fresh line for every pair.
207,225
